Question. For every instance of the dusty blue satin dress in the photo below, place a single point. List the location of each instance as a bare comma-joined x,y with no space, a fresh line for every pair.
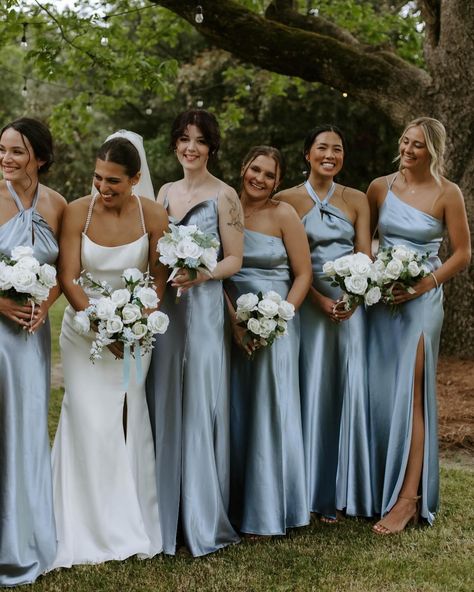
268,489
27,530
333,378
188,398
393,341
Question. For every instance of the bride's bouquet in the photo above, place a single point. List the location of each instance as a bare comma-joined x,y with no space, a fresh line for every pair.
23,278
264,316
358,278
187,247
399,266
120,315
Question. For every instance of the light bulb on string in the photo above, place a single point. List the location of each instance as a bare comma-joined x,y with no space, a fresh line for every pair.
314,12
199,15
24,41
248,87
148,110
104,41
345,95
89,104
24,90
199,103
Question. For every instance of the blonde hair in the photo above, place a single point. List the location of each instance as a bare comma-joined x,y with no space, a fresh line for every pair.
435,138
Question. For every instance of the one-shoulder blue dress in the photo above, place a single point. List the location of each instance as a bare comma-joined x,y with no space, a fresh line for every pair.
333,377
27,529
393,341
188,398
268,489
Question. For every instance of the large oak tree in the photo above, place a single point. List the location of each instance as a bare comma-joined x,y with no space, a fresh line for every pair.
286,41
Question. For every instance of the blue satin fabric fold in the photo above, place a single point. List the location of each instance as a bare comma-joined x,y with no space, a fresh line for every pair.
188,399
27,529
333,379
268,491
393,341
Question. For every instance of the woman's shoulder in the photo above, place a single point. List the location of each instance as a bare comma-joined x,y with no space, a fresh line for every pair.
152,208
292,195
353,195
55,198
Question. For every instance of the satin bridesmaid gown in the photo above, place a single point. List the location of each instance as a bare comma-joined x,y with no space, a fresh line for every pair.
393,341
333,375
268,489
105,498
188,399
27,529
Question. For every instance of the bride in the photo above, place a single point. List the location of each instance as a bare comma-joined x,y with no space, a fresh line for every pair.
104,485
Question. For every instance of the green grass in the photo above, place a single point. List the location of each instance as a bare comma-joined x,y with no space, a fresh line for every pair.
324,558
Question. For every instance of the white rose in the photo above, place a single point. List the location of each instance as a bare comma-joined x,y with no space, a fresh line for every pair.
47,275
328,268
22,279
158,322
81,323
413,269
267,326
402,253
360,264
254,326
120,297
341,265
268,308
383,255
28,263
114,325
187,230
373,296
19,252
379,265
139,330
167,252
132,275
105,308
209,258
39,292
286,310
147,297
247,302
131,313
187,248
5,276
394,269
356,284
242,315
274,296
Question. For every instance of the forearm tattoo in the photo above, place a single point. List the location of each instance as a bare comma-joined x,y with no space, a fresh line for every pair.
235,215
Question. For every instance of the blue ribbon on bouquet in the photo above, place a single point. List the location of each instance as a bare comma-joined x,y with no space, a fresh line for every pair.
127,354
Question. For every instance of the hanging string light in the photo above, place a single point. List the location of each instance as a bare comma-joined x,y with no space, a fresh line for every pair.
148,110
24,90
199,15
199,103
89,104
345,95
24,40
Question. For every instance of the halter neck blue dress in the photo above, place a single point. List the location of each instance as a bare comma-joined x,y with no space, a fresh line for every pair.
393,341
27,530
188,399
268,489
333,380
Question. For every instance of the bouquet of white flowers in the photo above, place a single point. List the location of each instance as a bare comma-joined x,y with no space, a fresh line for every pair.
264,316
23,278
119,315
187,247
399,266
357,277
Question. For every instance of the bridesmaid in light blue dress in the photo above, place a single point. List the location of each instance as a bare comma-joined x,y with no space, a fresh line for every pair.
30,215
411,208
333,376
188,380
268,489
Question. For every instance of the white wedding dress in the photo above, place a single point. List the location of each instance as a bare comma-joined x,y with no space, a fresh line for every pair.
104,483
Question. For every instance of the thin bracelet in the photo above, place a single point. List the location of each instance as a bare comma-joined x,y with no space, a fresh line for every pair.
434,278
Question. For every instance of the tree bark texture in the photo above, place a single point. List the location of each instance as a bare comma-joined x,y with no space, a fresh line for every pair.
316,50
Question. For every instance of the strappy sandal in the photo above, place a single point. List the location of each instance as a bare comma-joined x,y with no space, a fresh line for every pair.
381,529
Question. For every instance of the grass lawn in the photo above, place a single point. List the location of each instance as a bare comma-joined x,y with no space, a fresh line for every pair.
324,558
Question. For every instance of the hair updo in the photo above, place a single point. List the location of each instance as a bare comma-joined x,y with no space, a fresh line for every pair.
121,151
39,138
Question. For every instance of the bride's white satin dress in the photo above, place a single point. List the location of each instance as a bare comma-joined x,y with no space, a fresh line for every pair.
104,483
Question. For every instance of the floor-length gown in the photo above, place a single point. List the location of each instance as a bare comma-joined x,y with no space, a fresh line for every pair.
333,379
188,398
27,531
104,483
393,342
268,487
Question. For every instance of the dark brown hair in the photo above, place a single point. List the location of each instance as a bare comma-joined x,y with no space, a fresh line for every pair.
202,119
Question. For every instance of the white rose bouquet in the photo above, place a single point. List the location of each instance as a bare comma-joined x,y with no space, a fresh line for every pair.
23,278
264,316
119,315
358,278
187,247
399,266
